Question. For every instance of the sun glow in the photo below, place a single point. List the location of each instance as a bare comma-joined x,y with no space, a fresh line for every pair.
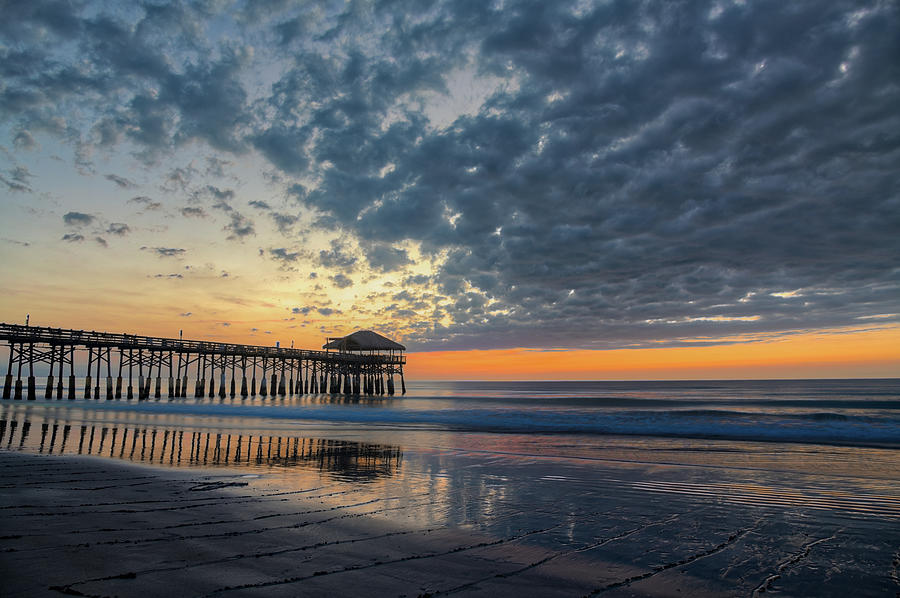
844,353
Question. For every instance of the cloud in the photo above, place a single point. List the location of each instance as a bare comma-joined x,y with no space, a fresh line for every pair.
386,258
341,281
24,141
118,228
222,195
580,174
121,181
283,222
192,212
146,202
186,314
165,251
283,146
14,185
77,219
337,257
239,227
18,180
325,311
101,241
73,237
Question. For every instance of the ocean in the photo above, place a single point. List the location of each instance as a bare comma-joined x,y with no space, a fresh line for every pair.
674,467
841,412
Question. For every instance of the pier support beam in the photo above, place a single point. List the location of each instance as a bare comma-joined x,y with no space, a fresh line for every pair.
48,394
130,393
59,381
7,384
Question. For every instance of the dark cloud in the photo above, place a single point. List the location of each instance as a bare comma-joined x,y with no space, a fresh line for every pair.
118,228
165,251
77,219
305,311
386,258
592,175
186,314
174,275
215,166
101,241
341,281
73,237
284,256
239,227
655,173
337,257
283,222
260,205
284,147
221,195
191,212
120,181
146,202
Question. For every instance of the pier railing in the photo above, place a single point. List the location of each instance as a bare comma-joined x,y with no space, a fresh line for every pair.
316,371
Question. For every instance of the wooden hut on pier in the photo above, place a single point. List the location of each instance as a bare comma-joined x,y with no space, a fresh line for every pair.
376,374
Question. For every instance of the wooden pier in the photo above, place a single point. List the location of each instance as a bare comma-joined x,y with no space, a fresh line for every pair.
131,366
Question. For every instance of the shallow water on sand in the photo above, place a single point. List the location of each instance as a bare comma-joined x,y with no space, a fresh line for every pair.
784,487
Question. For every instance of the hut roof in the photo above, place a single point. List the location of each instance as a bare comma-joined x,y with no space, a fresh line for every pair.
363,340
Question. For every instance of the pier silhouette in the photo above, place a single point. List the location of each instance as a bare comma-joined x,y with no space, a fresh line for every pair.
362,363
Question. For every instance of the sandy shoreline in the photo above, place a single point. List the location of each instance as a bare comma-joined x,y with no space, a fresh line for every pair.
102,527
87,526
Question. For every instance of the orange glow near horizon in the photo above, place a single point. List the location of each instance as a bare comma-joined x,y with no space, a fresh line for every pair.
829,354
840,353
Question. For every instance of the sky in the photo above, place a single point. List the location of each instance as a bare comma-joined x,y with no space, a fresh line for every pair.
569,189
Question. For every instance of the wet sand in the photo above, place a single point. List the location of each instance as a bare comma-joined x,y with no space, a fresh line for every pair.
99,527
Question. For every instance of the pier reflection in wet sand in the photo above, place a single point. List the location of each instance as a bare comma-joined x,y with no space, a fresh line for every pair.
185,448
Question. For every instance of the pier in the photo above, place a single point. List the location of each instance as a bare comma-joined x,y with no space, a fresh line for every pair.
130,366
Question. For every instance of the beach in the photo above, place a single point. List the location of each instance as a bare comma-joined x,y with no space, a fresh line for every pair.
152,499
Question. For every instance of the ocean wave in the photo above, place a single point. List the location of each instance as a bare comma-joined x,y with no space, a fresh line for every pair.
817,427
